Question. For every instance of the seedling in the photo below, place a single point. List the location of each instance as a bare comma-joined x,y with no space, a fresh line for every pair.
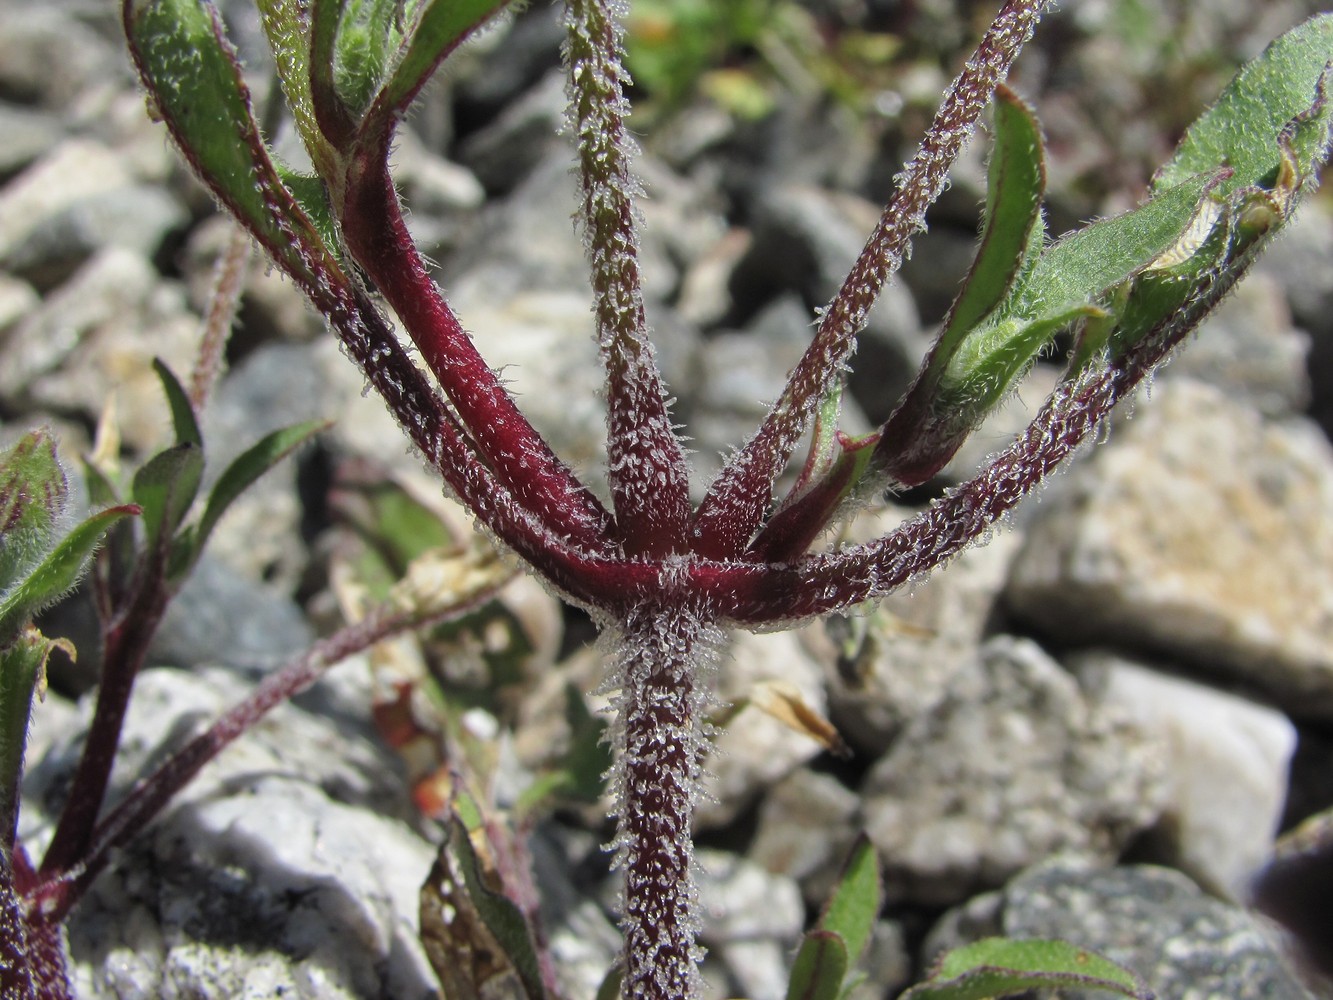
663,577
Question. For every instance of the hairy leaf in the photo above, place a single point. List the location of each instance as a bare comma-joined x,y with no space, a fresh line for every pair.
819,968
33,494
997,967
183,418
286,23
244,470
1240,130
194,80
56,573
439,28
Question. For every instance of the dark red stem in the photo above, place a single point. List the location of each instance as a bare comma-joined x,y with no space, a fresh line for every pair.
377,235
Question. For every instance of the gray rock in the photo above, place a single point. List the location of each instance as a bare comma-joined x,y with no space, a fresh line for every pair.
1199,530
1014,765
1226,762
223,616
97,336
139,217
49,57
752,920
76,170
1155,921
17,299
899,661
520,138
755,750
807,824
280,870
29,135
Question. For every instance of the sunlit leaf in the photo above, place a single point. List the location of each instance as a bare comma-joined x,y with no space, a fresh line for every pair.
998,967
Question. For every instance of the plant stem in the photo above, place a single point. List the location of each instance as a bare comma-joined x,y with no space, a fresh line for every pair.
123,652
661,740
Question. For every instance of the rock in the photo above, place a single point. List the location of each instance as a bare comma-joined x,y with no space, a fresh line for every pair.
97,336
75,171
17,299
1226,763
807,824
29,135
754,750
139,217
224,616
752,921
285,866
520,138
1155,921
1013,765
1202,532
48,56
899,661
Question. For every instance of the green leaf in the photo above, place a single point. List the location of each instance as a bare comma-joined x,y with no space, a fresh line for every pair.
22,674
1016,180
851,911
500,915
1080,268
820,967
838,938
286,25
183,419
33,494
1240,131
165,487
368,36
242,473
194,80
56,573
439,28
997,967
610,987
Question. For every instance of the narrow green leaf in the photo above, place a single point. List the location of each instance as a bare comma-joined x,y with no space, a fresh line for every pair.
1078,269
610,987
1016,180
22,674
997,967
368,36
56,573
500,914
332,114
183,418
850,913
33,494
313,198
286,23
439,28
194,79
244,470
165,487
1240,131
819,968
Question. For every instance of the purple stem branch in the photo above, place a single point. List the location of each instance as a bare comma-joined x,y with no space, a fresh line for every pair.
738,499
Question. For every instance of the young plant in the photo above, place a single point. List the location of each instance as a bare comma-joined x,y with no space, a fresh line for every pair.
661,577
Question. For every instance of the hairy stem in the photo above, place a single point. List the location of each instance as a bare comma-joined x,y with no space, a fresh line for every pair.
647,469
377,236
228,283
151,794
737,500
661,740
123,651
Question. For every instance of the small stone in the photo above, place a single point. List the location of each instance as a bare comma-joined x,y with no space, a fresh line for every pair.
752,920
1155,921
1201,531
1226,763
754,749
1014,765
807,824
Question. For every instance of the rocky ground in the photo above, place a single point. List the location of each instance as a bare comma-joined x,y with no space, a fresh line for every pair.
1093,726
